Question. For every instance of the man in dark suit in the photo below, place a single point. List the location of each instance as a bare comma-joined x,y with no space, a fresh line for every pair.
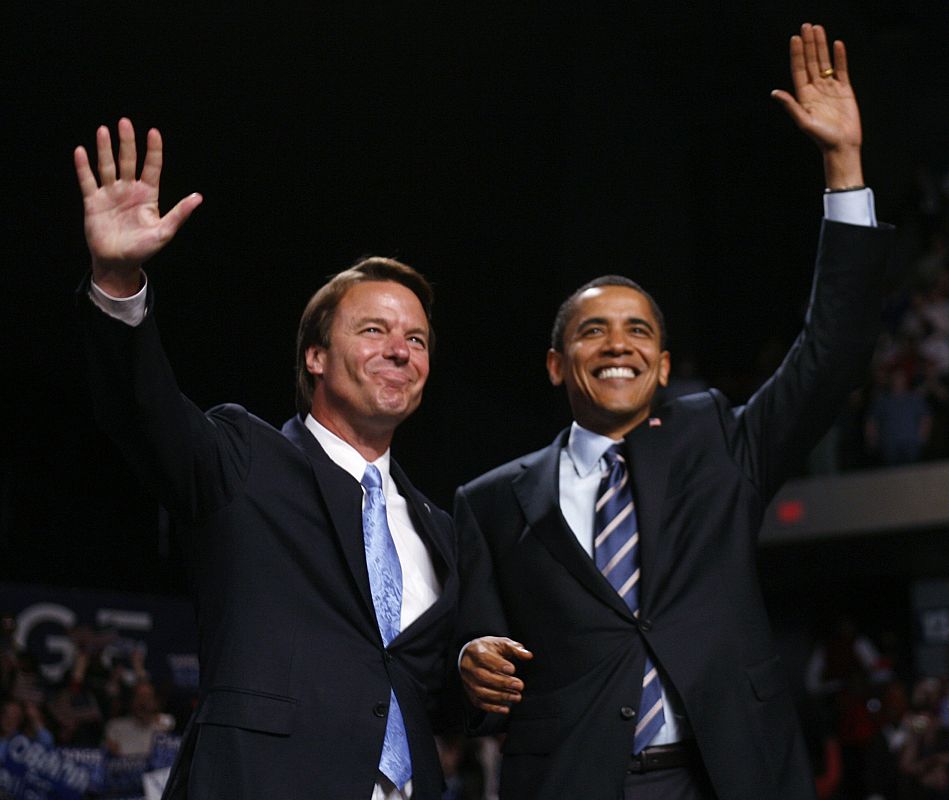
325,607
623,554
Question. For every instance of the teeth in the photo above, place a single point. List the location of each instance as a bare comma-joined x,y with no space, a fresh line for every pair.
617,372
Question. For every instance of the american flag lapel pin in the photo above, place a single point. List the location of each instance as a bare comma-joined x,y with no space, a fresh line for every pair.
654,422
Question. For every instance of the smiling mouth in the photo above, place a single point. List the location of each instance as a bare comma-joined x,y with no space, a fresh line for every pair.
606,373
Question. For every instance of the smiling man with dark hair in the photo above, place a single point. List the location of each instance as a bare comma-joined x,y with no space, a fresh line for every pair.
623,554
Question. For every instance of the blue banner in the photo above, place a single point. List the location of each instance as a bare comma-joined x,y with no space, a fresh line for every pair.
31,771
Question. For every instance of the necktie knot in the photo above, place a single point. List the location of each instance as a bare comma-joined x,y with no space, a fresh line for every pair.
372,478
614,455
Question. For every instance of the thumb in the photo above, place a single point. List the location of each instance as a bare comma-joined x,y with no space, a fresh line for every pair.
794,109
516,650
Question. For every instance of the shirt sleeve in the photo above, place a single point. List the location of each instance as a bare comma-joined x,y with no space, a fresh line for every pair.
130,310
854,207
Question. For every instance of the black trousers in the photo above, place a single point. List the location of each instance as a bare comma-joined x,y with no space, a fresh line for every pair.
678,783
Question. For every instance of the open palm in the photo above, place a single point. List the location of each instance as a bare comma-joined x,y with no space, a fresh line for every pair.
123,224
823,105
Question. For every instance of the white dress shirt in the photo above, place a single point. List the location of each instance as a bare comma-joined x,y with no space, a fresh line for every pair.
420,585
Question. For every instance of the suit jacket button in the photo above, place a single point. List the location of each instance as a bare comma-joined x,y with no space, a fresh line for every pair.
387,656
645,625
380,709
627,712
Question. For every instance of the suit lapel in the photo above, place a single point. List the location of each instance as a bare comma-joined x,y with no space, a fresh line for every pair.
649,451
537,489
439,545
343,499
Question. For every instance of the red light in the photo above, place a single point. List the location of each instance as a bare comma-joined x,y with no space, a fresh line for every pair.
790,511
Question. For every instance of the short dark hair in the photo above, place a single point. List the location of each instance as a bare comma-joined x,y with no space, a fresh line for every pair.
318,315
568,307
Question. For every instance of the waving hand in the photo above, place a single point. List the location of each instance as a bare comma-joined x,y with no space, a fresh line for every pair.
824,105
123,225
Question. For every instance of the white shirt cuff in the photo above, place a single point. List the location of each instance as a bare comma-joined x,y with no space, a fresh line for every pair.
130,310
855,207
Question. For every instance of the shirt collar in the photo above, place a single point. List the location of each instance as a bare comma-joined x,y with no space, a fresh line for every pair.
344,455
586,448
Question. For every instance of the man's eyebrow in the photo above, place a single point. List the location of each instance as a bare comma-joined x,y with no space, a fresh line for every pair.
592,321
604,321
640,321
360,321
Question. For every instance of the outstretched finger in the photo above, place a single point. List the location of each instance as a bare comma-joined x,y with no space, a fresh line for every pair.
811,63
174,219
151,170
127,154
823,54
513,649
106,163
798,70
87,181
840,62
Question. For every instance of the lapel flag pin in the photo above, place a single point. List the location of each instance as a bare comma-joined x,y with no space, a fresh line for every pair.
654,422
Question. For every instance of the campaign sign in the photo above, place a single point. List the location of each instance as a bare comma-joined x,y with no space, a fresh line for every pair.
31,771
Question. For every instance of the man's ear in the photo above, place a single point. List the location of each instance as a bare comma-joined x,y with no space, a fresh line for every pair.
555,366
315,360
665,364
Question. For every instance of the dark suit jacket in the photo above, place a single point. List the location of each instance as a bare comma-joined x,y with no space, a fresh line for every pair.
295,680
701,480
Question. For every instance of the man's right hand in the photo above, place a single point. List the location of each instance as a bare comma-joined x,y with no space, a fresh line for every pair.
123,225
488,674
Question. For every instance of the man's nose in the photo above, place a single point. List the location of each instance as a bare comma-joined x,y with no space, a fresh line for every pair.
397,348
616,342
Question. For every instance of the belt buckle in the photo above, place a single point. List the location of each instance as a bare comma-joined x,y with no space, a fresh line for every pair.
637,764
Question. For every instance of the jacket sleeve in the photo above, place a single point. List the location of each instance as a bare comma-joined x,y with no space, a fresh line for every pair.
193,463
480,612
774,432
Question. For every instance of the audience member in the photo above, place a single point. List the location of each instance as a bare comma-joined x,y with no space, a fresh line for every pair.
925,757
22,717
132,734
898,422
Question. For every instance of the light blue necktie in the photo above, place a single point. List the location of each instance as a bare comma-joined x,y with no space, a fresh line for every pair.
616,551
385,581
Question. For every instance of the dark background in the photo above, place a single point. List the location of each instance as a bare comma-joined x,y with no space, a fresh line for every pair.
509,151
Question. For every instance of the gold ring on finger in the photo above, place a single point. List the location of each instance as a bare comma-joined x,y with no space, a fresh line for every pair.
827,73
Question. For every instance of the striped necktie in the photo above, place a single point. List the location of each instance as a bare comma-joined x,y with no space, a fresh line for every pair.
616,551
385,581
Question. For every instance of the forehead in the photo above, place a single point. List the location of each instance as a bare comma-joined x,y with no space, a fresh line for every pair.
613,303
381,299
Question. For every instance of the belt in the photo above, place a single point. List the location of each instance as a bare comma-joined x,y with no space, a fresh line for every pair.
663,756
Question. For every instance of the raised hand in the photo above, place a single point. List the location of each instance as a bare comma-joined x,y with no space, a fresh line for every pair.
823,104
123,225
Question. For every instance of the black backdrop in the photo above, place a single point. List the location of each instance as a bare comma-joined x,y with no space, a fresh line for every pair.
509,151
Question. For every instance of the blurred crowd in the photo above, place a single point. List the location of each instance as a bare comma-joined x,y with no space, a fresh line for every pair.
104,702
906,409
874,732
